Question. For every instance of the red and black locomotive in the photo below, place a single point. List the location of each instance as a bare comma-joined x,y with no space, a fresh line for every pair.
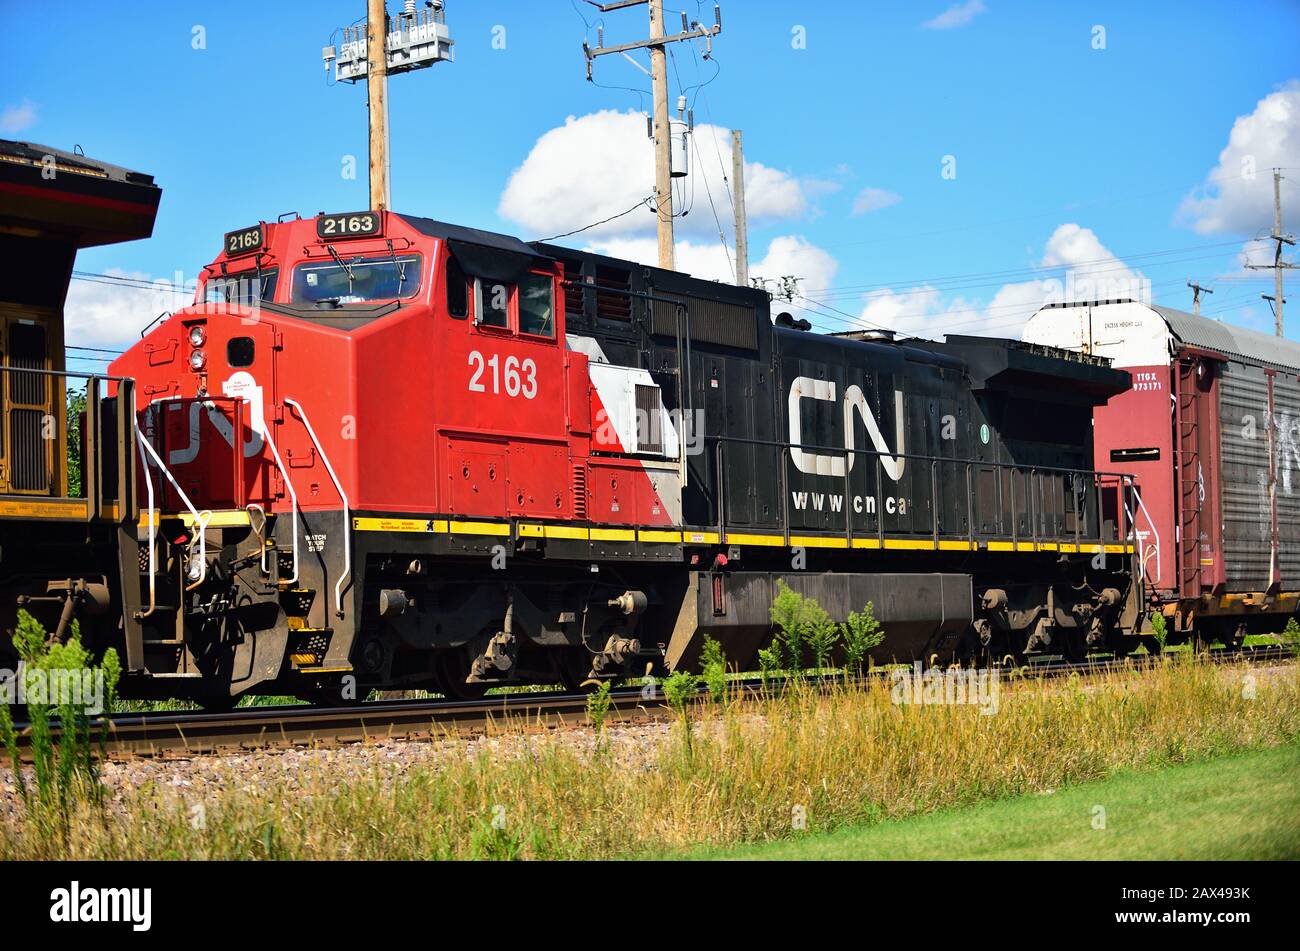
381,450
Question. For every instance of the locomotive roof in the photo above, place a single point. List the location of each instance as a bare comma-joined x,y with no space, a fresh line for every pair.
1206,334
486,239
85,201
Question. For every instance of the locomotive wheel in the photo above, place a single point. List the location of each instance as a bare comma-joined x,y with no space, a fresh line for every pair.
575,668
331,695
219,703
452,667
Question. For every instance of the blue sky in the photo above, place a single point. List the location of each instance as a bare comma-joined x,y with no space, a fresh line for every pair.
834,98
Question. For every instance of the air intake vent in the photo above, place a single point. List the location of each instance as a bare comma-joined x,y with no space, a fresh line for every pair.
580,492
649,426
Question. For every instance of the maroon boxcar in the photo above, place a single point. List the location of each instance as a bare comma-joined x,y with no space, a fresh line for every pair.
1211,428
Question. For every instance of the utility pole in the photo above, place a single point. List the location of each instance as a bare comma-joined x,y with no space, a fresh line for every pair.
663,139
1278,264
738,191
657,44
377,102
1197,290
387,46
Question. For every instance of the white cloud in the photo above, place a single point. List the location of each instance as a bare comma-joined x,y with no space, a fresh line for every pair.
959,14
1090,272
1237,196
873,199
18,117
600,164
111,315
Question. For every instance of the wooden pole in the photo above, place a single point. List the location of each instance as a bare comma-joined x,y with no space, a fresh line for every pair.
738,199
377,101
663,137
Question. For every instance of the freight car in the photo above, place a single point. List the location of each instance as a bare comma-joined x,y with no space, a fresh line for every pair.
1211,428
382,450
66,493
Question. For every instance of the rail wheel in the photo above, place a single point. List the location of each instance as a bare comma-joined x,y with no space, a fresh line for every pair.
452,668
221,703
575,670
333,694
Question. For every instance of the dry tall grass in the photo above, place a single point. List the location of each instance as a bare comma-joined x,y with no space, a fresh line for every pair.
844,755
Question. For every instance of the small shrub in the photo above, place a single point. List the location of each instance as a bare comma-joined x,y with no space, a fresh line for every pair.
598,705
1159,628
1291,634
862,634
64,768
713,668
678,688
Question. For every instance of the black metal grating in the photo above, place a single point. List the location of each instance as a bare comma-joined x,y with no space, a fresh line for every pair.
28,469
649,435
711,321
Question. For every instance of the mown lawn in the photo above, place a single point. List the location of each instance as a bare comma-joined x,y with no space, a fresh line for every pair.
1245,806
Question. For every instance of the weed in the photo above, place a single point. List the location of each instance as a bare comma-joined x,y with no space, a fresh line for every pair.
598,705
713,667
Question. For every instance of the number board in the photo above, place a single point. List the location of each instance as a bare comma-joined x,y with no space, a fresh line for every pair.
354,224
245,240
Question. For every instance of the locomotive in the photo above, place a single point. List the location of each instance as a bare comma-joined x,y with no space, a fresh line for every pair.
385,451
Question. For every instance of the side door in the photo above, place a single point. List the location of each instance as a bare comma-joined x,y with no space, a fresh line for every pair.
504,433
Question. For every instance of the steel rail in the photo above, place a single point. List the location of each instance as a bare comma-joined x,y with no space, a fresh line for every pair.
191,733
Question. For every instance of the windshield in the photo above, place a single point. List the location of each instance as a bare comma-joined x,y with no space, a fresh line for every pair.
355,279
242,288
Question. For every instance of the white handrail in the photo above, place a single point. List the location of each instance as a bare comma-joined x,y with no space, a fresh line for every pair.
200,523
1150,521
153,535
293,497
347,521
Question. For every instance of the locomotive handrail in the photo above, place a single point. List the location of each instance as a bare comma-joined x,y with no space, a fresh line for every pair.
200,522
293,497
1033,475
347,521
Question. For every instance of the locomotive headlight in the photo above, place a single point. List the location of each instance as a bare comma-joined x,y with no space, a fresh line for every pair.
198,336
198,360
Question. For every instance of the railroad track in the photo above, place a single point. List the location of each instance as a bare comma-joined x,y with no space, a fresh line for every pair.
191,733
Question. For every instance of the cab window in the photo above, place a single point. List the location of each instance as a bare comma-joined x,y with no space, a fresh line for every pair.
492,303
537,306
245,288
356,280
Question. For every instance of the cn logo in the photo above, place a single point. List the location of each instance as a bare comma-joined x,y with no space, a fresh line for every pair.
241,385
855,401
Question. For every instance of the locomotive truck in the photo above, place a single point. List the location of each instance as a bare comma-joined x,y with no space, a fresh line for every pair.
385,451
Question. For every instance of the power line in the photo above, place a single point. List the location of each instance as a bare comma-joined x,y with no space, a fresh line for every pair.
644,201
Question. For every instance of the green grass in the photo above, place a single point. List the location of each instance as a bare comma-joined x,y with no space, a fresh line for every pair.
1235,807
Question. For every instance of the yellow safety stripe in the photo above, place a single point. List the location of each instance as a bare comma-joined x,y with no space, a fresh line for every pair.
231,518
687,537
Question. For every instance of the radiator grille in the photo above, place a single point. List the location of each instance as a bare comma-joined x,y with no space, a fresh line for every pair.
711,321
28,471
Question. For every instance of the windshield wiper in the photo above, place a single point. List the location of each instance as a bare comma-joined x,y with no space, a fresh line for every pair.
347,268
401,268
